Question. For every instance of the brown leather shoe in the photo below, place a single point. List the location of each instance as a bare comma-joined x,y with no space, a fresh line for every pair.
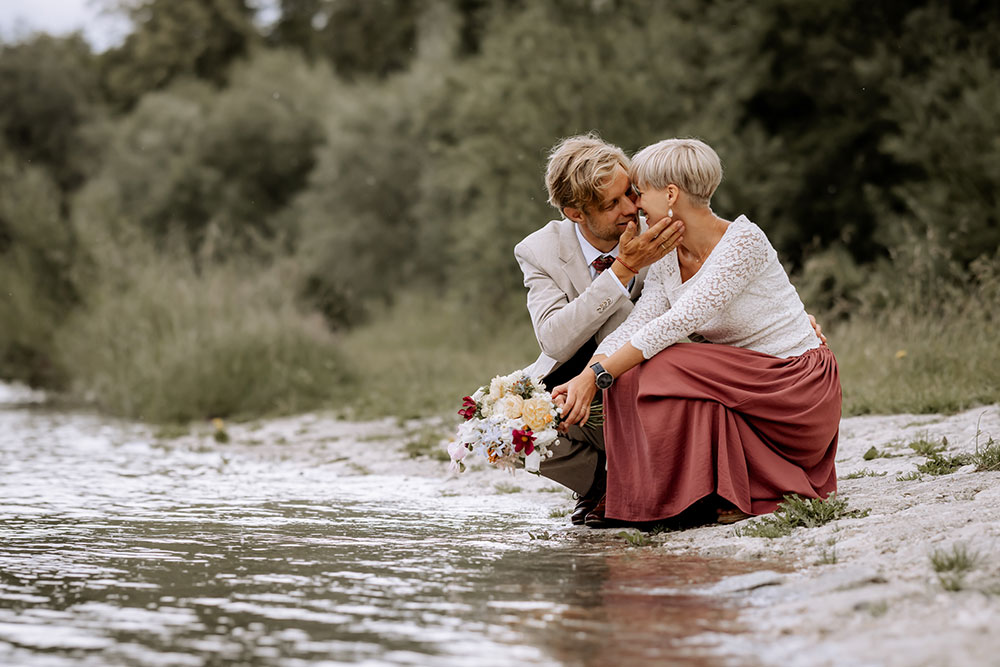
596,519
584,506
588,501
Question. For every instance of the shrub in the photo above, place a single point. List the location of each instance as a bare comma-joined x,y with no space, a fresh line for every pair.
176,345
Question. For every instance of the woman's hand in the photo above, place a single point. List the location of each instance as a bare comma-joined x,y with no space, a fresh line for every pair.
817,328
577,395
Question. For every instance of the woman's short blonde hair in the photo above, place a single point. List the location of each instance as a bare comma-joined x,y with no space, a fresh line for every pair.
689,164
579,169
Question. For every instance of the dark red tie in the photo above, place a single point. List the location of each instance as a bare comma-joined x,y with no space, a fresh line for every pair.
602,262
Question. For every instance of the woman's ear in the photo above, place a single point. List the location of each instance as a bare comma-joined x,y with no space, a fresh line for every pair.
673,192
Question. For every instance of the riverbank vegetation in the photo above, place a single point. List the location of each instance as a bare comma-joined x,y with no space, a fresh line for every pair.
319,211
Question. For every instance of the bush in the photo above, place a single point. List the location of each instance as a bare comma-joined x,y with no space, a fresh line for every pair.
36,251
174,344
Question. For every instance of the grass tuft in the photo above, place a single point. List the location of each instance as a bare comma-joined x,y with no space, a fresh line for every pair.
507,487
941,464
925,447
952,565
559,513
987,458
908,477
635,538
798,512
864,472
427,443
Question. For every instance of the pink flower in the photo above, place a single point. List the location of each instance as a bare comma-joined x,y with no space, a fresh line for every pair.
524,440
457,450
469,408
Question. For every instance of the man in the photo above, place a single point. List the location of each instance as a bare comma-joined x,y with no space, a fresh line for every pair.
583,274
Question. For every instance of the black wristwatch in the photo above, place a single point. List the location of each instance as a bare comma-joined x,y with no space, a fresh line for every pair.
604,379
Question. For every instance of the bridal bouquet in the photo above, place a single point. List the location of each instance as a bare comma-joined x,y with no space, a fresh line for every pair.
510,421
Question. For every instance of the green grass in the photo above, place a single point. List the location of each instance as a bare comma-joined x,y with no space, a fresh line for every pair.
168,343
507,487
908,477
953,564
923,349
797,512
925,447
559,513
635,538
426,354
864,472
874,452
943,464
987,458
427,443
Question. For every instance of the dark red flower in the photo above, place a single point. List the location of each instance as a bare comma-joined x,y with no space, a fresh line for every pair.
524,440
469,408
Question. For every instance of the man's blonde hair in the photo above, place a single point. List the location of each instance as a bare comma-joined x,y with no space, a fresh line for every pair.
689,164
579,169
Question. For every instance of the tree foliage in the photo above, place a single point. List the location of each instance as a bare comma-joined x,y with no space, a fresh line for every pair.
176,38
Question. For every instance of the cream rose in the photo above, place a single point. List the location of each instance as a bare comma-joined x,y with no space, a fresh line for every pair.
496,388
537,413
510,406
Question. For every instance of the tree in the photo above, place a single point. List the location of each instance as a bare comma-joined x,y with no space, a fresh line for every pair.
360,37
175,38
50,89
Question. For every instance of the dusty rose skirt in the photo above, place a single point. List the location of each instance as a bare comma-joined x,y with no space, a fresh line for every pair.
703,419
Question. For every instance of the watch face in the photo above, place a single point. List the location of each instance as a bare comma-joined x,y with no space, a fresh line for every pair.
604,380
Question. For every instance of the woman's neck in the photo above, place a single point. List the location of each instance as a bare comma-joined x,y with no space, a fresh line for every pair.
702,230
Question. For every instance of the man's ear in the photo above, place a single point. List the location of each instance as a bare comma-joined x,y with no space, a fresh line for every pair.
574,214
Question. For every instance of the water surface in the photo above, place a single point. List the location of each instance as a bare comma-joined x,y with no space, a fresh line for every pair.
117,550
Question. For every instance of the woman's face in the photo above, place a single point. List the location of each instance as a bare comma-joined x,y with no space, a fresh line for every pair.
655,203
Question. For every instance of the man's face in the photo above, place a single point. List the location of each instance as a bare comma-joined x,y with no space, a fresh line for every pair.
603,223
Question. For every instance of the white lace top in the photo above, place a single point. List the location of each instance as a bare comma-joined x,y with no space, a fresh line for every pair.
741,296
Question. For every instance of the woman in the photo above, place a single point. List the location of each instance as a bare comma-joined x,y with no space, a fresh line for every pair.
740,423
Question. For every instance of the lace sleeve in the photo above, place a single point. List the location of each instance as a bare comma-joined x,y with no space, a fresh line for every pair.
652,303
743,254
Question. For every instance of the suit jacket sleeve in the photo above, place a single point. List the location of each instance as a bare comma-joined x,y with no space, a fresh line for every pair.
562,325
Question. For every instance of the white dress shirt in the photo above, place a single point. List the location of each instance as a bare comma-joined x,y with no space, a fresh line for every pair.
590,253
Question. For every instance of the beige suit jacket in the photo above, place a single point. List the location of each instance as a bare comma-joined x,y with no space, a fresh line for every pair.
567,308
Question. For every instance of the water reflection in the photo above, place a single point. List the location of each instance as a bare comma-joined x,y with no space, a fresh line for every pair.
116,552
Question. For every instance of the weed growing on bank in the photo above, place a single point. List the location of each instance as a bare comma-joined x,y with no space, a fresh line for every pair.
798,512
987,457
942,464
864,472
953,564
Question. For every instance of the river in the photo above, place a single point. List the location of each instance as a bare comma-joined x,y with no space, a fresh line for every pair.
120,548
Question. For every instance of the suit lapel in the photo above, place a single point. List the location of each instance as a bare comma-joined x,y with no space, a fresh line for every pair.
572,257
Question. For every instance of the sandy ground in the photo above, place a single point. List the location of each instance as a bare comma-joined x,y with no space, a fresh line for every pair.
859,591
